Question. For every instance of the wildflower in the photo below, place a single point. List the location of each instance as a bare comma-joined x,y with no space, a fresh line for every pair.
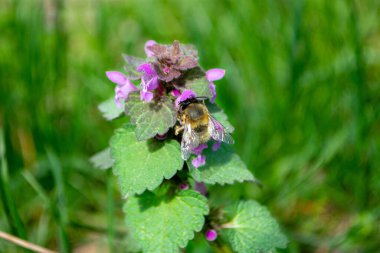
211,235
149,81
186,94
201,188
171,60
176,93
211,76
216,146
123,86
200,160
184,186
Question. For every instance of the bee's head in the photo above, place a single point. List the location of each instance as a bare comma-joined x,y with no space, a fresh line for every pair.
185,103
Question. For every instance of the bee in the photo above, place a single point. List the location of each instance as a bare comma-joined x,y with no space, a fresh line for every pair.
198,126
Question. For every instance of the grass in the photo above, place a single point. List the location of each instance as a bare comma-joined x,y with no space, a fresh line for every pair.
302,89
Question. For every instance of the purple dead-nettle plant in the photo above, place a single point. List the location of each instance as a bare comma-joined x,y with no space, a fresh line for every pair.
177,143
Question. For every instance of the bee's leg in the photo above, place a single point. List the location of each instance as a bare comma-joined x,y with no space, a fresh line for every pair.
178,129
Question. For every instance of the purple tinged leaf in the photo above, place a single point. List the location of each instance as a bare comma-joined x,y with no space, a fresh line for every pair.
148,51
215,74
187,62
131,64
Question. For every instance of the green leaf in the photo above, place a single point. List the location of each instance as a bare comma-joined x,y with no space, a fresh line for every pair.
163,223
223,166
109,109
132,63
220,116
200,86
195,80
102,160
252,229
141,165
151,118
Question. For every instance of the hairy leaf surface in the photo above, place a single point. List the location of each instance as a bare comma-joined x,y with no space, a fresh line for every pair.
252,229
151,118
223,166
141,165
109,109
165,224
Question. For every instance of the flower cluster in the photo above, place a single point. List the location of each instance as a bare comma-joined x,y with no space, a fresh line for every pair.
164,73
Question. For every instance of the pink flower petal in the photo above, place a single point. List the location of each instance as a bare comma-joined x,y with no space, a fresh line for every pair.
199,161
176,93
146,95
211,235
116,77
186,94
216,146
148,44
198,150
147,69
214,74
152,84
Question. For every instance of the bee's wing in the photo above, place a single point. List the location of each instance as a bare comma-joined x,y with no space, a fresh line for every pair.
218,132
189,142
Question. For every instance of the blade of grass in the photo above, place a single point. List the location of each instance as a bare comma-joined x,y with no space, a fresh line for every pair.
10,207
36,186
42,230
60,210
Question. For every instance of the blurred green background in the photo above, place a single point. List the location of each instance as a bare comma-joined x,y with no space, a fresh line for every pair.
302,88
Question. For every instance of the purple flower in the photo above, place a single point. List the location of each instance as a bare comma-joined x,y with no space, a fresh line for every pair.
161,137
216,146
149,81
198,150
211,76
211,235
183,186
176,93
201,188
123,86
199,161
186,94
148,44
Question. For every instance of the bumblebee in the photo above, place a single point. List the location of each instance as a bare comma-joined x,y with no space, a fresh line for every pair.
198,126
